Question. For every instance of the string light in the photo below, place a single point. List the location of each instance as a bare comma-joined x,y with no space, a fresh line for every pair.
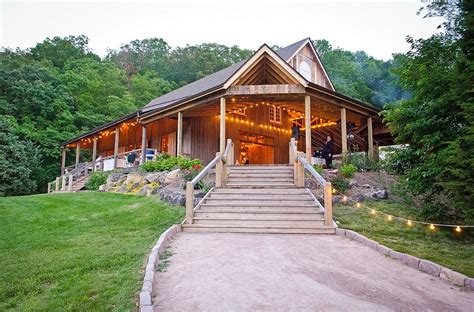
458,229
432,227
358,205
344,199
390,218
372,211
409,223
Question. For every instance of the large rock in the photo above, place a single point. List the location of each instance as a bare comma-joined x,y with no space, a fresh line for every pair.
172,176
378,194
102,187
357,197
134,178
156,177
172,197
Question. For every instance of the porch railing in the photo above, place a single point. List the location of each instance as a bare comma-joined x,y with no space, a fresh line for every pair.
300,165
221,162
66,181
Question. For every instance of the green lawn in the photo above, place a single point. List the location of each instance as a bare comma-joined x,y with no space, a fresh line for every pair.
83,251
450,249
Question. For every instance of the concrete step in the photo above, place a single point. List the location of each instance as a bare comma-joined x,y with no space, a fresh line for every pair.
259,185
260,175
258,196
262,203
256,209
289,180
290,191
260,216
258,222
258,229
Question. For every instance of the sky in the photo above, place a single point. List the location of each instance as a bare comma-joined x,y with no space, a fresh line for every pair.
377,27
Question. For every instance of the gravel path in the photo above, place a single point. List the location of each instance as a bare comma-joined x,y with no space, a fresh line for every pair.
244,272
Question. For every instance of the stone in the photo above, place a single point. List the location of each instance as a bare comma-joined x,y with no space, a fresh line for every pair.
383,249
155,177
172,197
146,308
134,178
145,298
366,185
102,187
469,283
122,188
429,267
172,176
357,197
379,194
336,199
340,232
114,177
147,286
452,276
404,258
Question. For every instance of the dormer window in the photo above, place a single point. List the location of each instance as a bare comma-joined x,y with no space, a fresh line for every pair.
305,70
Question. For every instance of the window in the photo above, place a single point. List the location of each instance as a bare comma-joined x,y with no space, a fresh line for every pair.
305,70
275,114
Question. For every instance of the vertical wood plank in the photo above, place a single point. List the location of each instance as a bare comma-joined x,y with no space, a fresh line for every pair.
222,126
56,184
307,119
63,160
49,187
143,158
78,153
328,204
63,183
343,131
189,202
69,185
370,134
116,146
94,152
179,148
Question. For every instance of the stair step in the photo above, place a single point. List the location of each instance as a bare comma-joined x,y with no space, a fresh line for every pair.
259,185
290,191
260,216
258,196
251,203
261,180
258,222
258,229
254,209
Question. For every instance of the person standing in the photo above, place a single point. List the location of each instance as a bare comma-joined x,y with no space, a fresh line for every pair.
328,151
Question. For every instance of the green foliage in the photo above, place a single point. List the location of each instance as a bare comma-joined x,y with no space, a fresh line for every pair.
437,121
96,179
361,162
167,163
319,169
348,171
339,183
19,161
84,251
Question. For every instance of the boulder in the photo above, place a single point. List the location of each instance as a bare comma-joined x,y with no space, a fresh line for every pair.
155,177
134,178
102,187
379,194
172,176
172,197
357,197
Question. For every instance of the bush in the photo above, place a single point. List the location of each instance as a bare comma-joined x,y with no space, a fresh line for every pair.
361,161
348,171
319,169
166,163
95,180
340,184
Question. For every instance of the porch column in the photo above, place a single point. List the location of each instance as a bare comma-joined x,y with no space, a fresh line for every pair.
143,158
307,119
343,131
116,146
222,126
78,152
179,147
370,137
94,153
63,160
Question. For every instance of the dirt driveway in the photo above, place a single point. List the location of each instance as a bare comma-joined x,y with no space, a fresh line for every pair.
255,272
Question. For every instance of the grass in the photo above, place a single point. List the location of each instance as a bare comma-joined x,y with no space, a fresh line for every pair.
450,249
83,251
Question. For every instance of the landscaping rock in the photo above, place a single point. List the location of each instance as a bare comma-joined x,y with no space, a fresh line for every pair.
172,197
122,188
336,199
404,258
469,283
172,176
156,177
134,178
452,276
383,249
429,267
102,188
357,197
379,194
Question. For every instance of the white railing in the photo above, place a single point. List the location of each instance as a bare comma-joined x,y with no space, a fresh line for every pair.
220,162
300,164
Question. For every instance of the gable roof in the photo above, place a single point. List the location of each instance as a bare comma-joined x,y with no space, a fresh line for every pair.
286,52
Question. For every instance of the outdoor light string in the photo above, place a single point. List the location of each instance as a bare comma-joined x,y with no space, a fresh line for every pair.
390,217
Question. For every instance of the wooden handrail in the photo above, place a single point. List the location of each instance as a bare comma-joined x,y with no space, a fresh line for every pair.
206,170
311,170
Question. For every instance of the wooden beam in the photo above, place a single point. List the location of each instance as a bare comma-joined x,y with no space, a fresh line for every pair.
179,147
266,89
143,158
78,152
370,138
116,146
307,118
222,127
63,160
343,130
94,152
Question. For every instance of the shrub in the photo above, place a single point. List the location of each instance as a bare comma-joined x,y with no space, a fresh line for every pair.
165,162
361,161
340,184
348,171
319,169
95,180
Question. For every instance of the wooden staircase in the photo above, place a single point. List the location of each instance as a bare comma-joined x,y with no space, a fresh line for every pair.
259,199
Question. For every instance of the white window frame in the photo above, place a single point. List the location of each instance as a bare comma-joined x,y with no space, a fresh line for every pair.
275,114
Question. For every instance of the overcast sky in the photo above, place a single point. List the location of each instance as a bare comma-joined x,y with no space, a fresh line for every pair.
377,27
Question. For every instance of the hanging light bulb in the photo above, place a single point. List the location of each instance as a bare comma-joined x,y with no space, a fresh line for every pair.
390,218
409,223
344,199
372,211
358,205
458,229
432,227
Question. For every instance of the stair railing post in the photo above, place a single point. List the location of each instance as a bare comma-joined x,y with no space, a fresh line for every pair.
291,152
69,185
56,184
49,187
328,204
189,202
299,171
63,183
219,171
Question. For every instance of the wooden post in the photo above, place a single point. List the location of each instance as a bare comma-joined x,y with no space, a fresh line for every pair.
222,126
143,159
307,118
343,131
189,202
63,161
291,152
69,185
328,204
116,146
78,152
299,171
231,160
56,184
63,182
219,172
94,153
179,147
49,187
370,138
